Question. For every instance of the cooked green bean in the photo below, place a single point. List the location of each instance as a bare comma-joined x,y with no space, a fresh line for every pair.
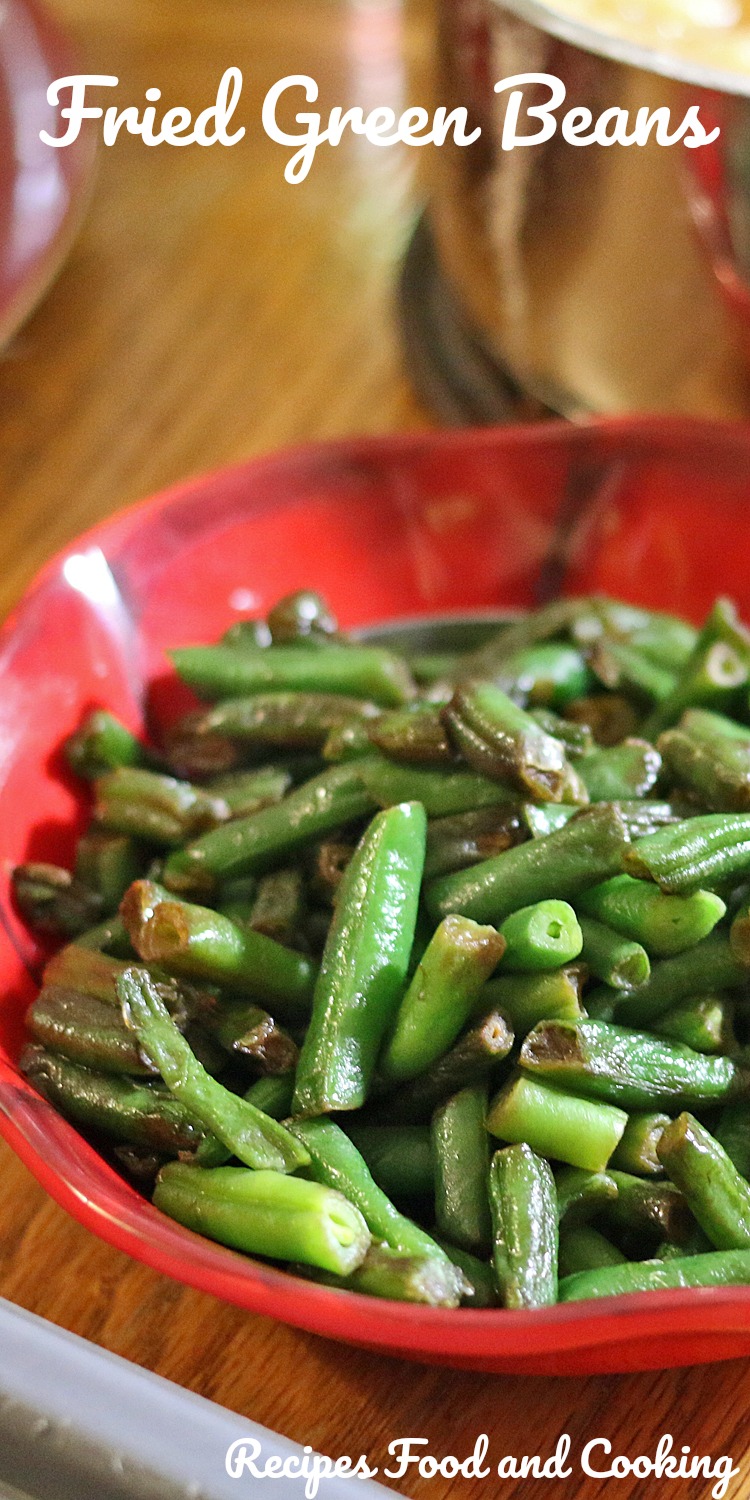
464,839
636,1152
502,741
154,807
716,1268
716,1192
577,738
301,616
616,960
441,997
733,1133
542,819
403,1277
400,1157
279,906
588,850
646,1209
539,937
90,1032
247,846
194,942
412,734
628,1068
266,721
126,1109
478,1274
251,1135
560,1125
541,625
629,669
246,792
216,672
701,851
272,1094
528,998
585,1249
704,1023
709,965
461,1163
442,791
54,902
265,1213
626,771
248,1032
103,744
474,1057
709,755
549,673
365,963
108,863
663,924
581,1195
717,668
524,1224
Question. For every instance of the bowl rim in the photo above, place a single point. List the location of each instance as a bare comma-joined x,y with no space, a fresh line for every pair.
411,1331
545,15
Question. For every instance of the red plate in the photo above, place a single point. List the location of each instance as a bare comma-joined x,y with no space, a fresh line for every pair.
656,511
42,188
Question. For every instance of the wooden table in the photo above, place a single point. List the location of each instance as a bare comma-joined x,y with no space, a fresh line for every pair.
210,311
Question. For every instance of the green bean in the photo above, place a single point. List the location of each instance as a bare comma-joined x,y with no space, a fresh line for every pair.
629,669
409,734
157,808
264,1213
524,1224
636,1152
103,744
279,906
549,673
400,1157
733,1133
646,1208
336,1162
236,900
271,1093
455,843
474,1057
739,935
365,963
563,1126
441,997
577,738
716,1268
88,972
709,965
349,741
250,1033
717,667
588,850
251,1135
581,1195
642,817
108,863
246,792
108,937
90,1032
461,1164
194,942
542,819
431,667
709,755
400,1277
540,937
125,1109
663,924
442,792
701,851
663,638
628,1068
301,616
502,741
704,1023
370,672
700,1167
248,846
528,998
326,863
247,635
585,1249
478,1274
53,902
626,771
616,960
264,721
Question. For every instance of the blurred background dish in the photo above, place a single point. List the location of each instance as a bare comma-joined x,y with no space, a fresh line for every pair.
42,190
581,280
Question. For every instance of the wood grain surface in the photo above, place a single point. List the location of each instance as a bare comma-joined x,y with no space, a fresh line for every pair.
210,311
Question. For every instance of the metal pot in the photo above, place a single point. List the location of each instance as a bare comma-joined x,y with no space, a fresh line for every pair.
596,279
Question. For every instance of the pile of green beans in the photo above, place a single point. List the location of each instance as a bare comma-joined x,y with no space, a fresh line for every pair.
427,978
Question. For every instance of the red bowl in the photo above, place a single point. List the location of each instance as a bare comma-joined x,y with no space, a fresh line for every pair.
655,511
